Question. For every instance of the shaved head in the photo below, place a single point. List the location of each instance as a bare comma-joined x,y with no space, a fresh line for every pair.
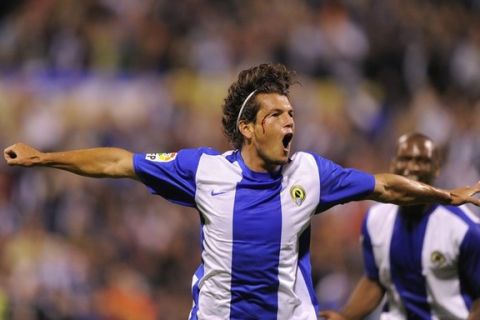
414,138
416,157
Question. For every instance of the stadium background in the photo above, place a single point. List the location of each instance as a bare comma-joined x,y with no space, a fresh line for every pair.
151,75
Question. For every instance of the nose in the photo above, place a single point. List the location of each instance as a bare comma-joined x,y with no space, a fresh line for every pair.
413,166
288,121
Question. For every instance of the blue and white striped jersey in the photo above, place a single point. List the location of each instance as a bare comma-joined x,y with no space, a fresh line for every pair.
255,227
430,269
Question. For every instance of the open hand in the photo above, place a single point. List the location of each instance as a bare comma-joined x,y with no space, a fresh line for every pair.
465,195
21,154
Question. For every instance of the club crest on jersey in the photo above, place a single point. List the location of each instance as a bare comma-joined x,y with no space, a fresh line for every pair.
437,258
161,157
298,194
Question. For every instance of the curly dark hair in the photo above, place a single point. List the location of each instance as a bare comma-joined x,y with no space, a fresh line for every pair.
264,78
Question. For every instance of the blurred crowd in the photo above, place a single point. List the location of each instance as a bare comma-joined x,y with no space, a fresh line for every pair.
151,75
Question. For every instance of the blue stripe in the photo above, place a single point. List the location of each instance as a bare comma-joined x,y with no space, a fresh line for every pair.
196,291
174,180
305,267
371,268
341,185
199,273
257,229
406,264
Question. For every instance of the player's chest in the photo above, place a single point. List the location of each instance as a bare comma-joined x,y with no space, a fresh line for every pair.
422,249
256,209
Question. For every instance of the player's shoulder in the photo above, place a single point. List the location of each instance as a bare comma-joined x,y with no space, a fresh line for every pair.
200,151
379,219
186,159
188,153
300,155
193,154
305,157
379,211
459,213
458,223
301,159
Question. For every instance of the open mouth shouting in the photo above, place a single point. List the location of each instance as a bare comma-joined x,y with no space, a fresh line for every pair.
286,141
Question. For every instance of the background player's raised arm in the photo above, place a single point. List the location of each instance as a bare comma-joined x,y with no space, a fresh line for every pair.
95,162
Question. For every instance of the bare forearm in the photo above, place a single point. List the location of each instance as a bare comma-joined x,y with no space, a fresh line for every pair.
96,162
402,191
365,298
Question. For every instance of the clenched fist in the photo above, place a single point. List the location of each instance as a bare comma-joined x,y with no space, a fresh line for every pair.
21,154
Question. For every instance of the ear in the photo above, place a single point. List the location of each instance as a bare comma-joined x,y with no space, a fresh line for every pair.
246,129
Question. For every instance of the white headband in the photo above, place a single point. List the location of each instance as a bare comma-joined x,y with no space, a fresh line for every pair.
243,107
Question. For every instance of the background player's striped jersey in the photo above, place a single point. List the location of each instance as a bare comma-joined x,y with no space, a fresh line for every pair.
430,268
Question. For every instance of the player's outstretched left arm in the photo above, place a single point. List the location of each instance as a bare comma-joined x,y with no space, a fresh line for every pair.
399,190
95,162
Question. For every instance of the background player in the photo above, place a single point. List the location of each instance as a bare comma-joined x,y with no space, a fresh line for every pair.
426,258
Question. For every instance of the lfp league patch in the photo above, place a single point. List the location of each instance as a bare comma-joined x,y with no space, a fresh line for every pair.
161,157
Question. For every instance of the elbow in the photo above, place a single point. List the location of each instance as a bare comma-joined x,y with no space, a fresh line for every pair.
122,168
111,171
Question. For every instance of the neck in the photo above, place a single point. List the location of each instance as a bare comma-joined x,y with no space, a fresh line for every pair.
414,212
256,162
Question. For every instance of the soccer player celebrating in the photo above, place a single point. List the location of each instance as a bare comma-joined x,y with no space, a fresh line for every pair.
426,258
255,202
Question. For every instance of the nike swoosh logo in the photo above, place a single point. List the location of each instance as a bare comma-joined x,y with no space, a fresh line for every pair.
213,193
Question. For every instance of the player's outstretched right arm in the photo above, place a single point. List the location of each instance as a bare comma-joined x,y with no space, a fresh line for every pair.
95,162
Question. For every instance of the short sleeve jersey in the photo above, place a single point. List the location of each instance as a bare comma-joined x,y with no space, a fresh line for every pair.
431,268
255,226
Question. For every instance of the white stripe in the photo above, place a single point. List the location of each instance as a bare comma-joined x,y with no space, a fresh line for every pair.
444,234
381,220
217,211
305,311
293,297
465,208
194,280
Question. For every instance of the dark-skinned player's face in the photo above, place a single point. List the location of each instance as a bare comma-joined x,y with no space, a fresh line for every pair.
416,159
273,128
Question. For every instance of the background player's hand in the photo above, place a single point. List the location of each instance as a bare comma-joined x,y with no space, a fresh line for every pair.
465,195
21,154
331,315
